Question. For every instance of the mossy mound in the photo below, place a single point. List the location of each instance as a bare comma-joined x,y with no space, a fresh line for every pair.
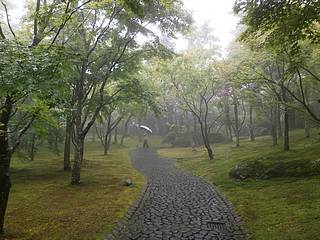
264,168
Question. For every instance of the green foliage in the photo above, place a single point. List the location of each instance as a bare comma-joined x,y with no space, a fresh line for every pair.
25,70
280,24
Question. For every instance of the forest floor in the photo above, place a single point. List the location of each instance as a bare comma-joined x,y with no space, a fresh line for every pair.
43,204
273,209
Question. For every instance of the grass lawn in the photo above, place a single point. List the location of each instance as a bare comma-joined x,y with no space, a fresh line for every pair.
274,209
43,204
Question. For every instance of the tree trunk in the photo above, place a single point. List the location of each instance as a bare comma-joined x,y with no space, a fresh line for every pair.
109,141
33,147
273,118
286,131
306,122
115,136
306,128
206,141
56,144
107,136
228,121
286,121
230,133
78,158
126,125
5,158
195,130
5,183
78,139
236,130
67,145
106,147
279,128
252,137
209,151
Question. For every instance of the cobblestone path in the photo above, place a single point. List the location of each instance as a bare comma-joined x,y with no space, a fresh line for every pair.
177,205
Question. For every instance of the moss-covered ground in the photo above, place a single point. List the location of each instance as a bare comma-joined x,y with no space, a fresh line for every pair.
43,204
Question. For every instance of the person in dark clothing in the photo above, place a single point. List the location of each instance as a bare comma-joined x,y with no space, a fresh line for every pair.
145,142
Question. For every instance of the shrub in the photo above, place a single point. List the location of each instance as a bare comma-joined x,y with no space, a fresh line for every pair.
264,169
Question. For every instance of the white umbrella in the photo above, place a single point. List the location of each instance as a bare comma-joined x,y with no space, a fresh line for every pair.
146,128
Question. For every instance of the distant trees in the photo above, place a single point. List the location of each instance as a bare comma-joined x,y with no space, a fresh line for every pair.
250,86
196,91
191,81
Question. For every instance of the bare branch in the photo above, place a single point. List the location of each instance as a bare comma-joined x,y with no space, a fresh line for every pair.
8,20
63,24
311,73
22,132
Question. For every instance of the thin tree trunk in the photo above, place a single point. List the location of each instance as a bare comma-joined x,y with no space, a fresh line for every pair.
279,128
67,145
33,147
306,121
236,130
206,141
252,137
306,128
226,130
286,131
115,136
5,158
273,127
107,135
286,146
56,144
126,125
209,151
230,133
195,130
228,121
107,143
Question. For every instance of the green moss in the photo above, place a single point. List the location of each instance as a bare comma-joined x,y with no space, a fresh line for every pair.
280,208
43,205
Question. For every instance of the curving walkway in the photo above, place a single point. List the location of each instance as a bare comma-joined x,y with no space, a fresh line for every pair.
177,205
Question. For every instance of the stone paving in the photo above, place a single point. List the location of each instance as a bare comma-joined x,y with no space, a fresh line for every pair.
176,205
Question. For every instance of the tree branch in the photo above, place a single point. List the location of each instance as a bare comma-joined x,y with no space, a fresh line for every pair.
8,20
21,132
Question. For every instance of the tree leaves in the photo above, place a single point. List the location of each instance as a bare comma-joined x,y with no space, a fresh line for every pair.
281,24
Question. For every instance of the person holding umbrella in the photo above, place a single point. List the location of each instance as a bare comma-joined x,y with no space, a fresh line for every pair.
145,135
145,141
